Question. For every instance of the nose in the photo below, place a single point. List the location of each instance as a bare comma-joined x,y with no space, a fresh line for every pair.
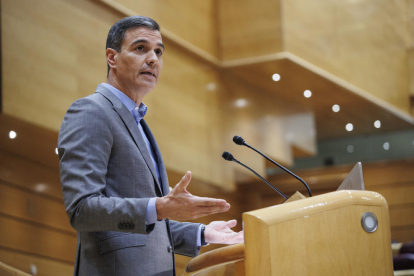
152,58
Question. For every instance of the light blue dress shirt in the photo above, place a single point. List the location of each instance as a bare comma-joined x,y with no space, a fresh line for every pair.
138,113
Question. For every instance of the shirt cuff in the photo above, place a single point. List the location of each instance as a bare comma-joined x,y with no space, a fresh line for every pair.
151,213
199,236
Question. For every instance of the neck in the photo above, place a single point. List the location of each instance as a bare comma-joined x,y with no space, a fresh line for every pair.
134,95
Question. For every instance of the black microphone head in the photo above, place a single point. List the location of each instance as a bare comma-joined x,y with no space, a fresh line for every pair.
238,140
227,156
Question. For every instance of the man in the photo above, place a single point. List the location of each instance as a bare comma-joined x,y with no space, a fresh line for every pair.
114,180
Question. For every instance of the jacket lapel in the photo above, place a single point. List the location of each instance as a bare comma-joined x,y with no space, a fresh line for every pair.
160,161
132,127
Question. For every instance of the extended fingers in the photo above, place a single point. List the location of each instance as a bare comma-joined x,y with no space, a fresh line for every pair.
231,223
208,201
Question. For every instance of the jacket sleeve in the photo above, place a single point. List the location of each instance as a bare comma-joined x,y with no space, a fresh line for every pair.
185,236
84,147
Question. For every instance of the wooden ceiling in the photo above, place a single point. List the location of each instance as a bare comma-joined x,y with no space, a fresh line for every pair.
356,106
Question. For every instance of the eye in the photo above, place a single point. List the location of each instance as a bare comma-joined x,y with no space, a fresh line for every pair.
158,52
140,48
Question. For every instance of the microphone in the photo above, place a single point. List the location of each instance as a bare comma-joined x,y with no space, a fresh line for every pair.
240,141
229,157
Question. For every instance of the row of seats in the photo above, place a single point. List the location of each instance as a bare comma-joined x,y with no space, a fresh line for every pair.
403,258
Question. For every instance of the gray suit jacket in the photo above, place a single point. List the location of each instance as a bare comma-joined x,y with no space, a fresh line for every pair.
107,180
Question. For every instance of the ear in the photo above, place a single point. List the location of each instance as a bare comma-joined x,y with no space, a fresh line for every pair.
111,56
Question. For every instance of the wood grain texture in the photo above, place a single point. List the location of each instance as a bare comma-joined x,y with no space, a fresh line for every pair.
44,266
392,179
297,75
216,257
6,270
363,43
278,236
30,238
192,21
249,28
51,46
34,208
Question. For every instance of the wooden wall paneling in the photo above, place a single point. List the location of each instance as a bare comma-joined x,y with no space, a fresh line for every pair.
55,55
397,194
249,29
363,43
402,215
34,239
34,208
44,266
402,234
32,142
27,174
264,122
357,106
192,21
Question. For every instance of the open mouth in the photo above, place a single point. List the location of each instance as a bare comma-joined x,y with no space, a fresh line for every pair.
148,73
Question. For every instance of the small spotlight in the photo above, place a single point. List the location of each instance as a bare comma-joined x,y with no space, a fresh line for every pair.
12,134
349,127
386,146
211,86
276,77
56,151
377,124
350,148
240,103
307,93
336,108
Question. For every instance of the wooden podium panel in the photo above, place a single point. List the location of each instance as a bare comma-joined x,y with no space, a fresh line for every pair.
321,235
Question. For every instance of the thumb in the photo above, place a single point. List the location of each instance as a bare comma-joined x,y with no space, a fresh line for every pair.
231,223
185,181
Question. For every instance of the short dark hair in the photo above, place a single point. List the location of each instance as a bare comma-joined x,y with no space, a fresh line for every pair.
117,32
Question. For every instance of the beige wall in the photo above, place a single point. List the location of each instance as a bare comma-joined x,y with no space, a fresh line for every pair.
362,42
54,54
192,20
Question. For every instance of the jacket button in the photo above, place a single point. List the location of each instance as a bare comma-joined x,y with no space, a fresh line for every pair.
170,249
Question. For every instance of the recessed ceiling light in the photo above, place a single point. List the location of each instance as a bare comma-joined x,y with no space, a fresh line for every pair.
12,134
40,187
276,77
350,148
349,127
211,86
386,146
240,103
377,124
336,108
307,93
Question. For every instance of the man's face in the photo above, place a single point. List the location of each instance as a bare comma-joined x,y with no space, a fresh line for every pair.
139,64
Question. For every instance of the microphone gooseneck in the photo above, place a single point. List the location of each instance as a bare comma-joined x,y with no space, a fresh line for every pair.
229,157
240,141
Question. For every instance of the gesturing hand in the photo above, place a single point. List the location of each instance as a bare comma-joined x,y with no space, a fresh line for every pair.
179,204
220,232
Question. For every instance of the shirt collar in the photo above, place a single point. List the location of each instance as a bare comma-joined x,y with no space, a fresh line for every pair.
128,102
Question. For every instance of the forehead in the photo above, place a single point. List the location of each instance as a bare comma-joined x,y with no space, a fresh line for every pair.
131,35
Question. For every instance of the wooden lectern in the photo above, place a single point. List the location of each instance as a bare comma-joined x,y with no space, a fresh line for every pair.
339,233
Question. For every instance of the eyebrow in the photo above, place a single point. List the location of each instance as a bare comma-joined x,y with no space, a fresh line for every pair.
146,42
